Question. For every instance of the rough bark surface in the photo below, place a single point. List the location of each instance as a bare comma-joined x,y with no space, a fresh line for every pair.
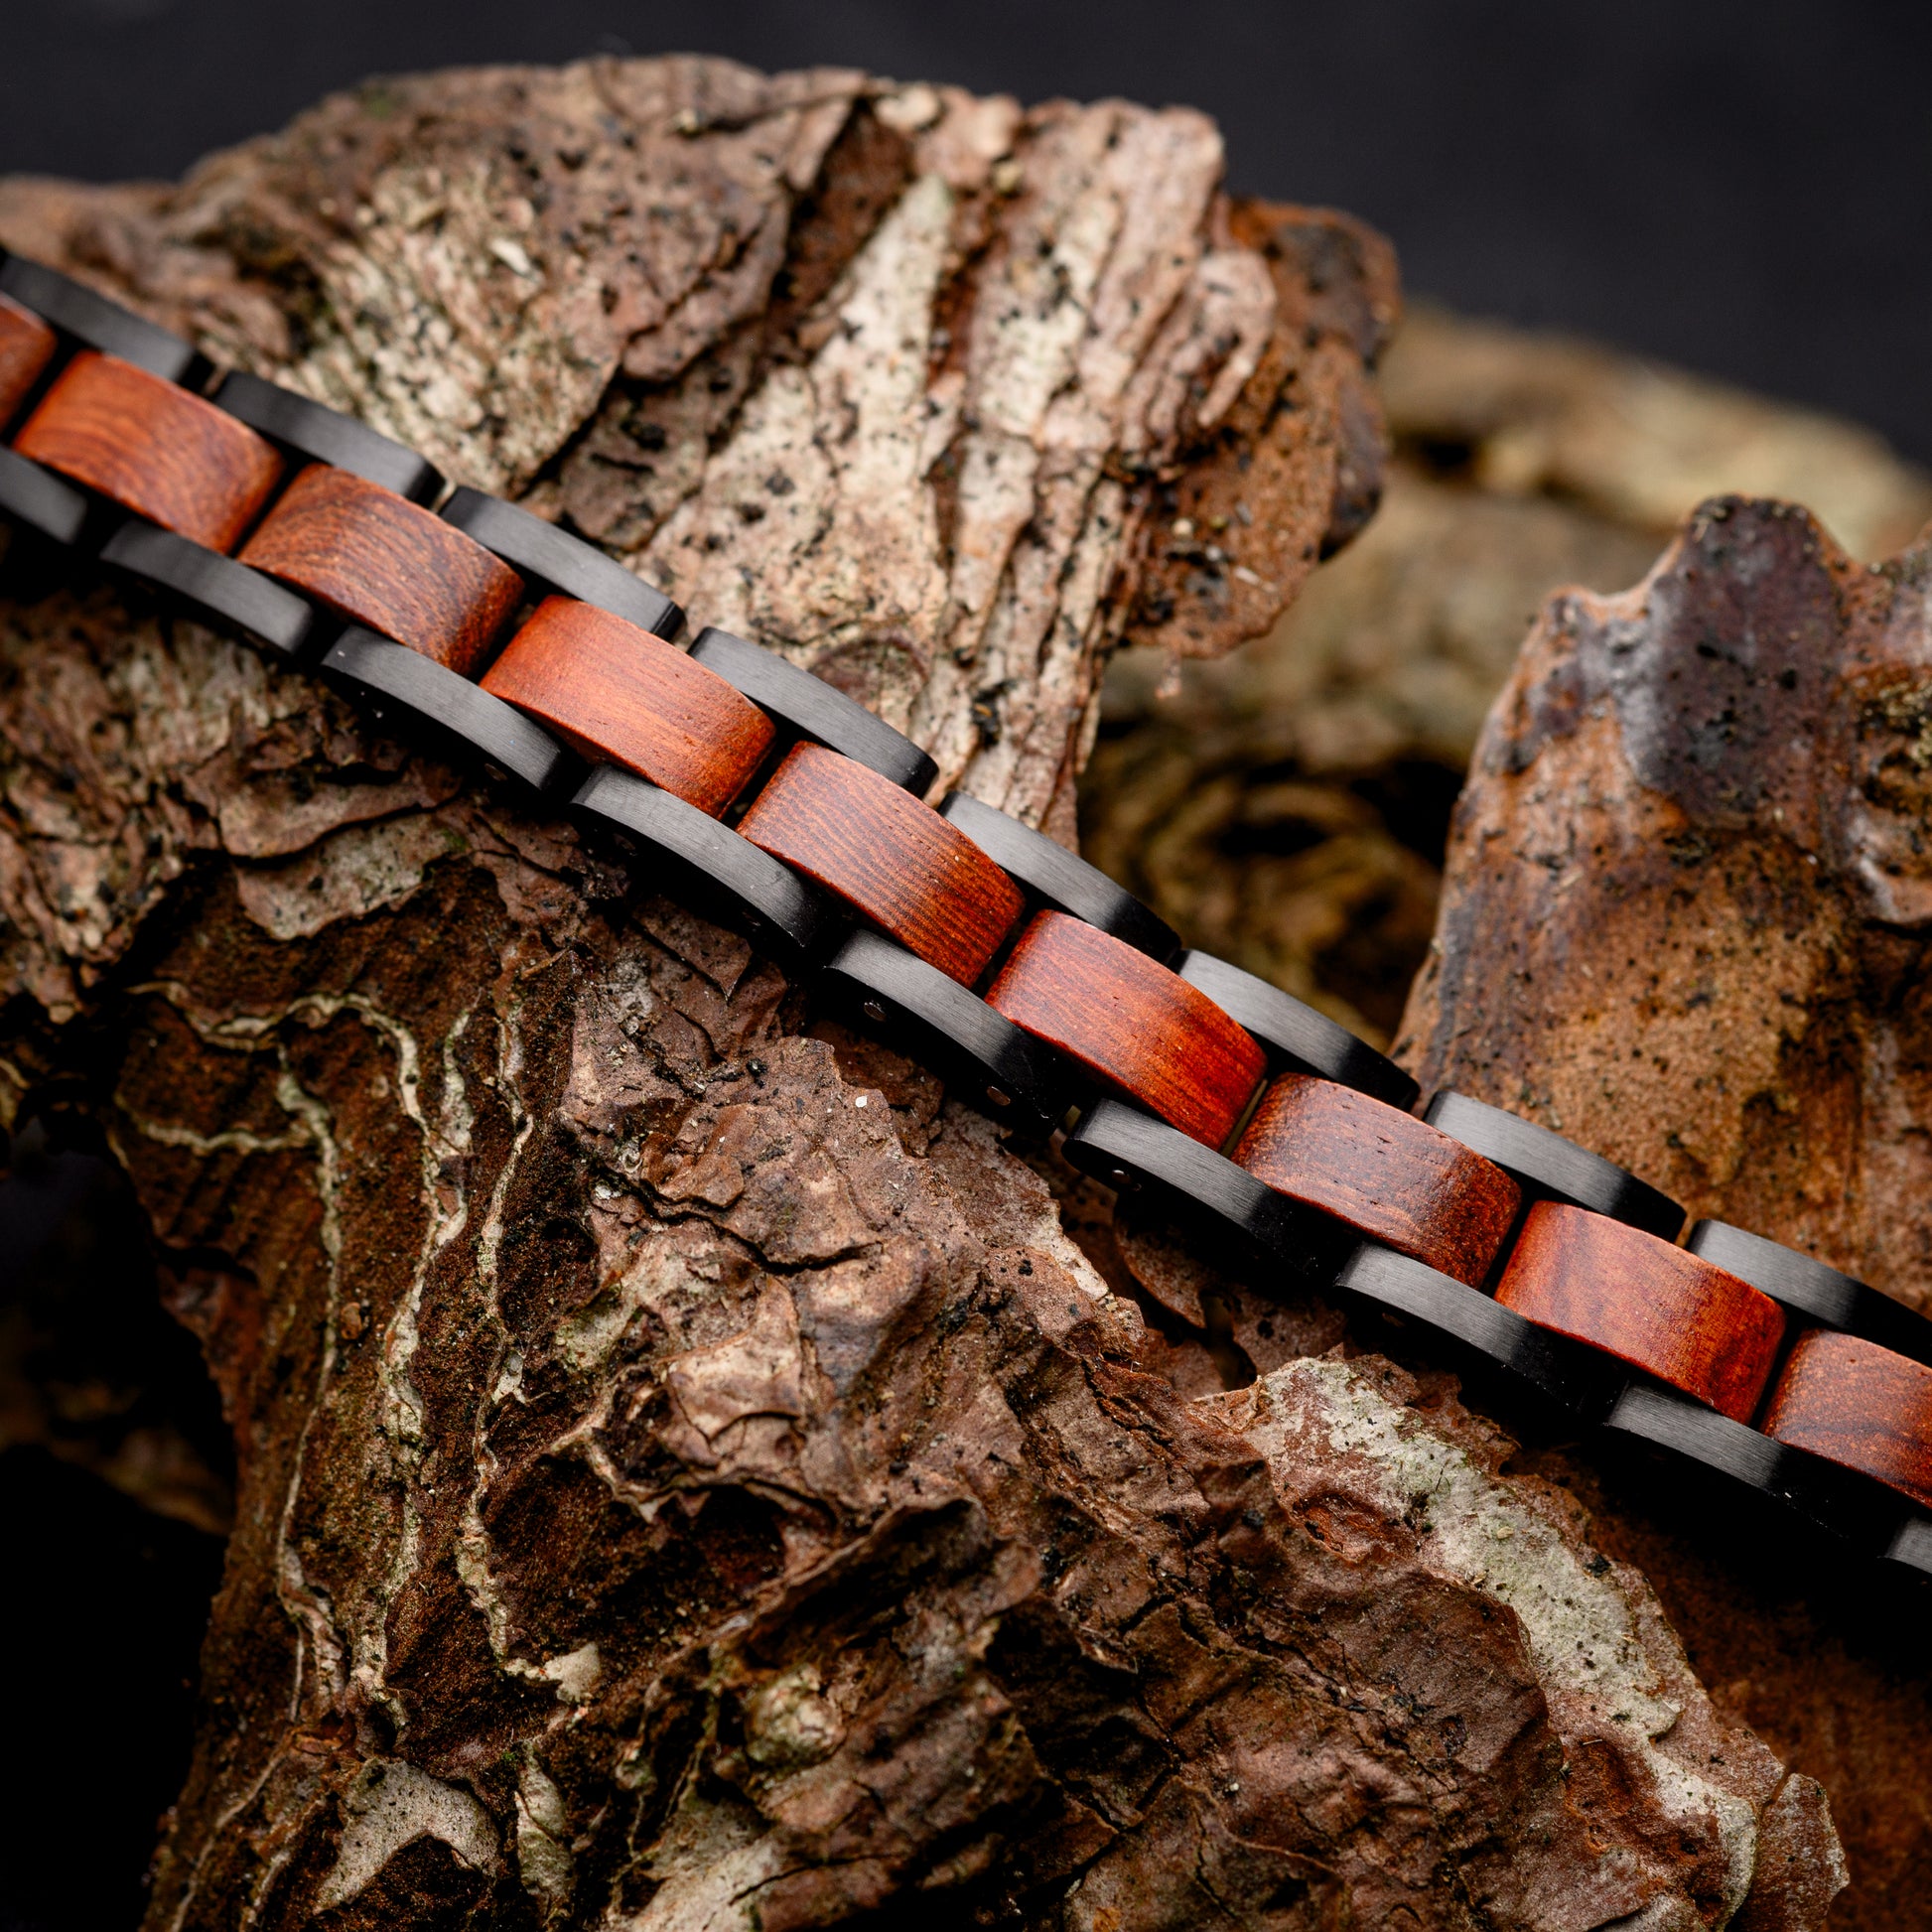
691,1474
1686,920
895,380
1288,805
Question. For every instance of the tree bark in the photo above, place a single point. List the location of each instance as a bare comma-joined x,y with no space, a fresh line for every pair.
1685,921
692,1472
1288,805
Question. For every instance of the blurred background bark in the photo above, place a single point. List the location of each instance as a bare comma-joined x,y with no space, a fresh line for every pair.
1289,806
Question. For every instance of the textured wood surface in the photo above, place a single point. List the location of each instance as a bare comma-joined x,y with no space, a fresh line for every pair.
670,1490
621,694
154,449
1860,1406
1128,1020
1383,1172
27,345
1688,914
1645,1302
910,871
384,562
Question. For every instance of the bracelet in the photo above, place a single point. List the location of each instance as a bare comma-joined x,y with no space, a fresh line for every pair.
1028,980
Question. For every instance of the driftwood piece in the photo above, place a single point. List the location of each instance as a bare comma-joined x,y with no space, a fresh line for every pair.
1286,806
690,1472
1685,921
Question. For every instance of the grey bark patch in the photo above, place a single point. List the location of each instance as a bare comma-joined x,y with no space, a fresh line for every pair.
391,1804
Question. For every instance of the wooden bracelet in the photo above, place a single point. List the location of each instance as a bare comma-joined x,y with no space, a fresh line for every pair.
1754,1363
152,448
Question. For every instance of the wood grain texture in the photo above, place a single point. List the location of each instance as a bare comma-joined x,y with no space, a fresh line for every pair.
618,693
889,855
383,562
1127,1018
1645,1302
1860,1406
1383,1172
154,449
27,345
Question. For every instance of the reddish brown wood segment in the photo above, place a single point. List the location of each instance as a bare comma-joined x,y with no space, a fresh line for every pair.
1645,1302
154,449
27,345
1124,1018
914,873
1383,1172
381,561
1860,1406
617,692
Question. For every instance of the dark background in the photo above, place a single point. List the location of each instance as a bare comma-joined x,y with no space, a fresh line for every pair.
1742,187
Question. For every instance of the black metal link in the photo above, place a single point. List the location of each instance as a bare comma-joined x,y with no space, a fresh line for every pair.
43,501
1910,1548
1578,1379
226,595
554,560
1056,877
402,685
719,869
96,323
1006,1072
1296,1036
1671,1421
1548,1167
1845,1505
309,429
1137,1154
1813,1292
808,707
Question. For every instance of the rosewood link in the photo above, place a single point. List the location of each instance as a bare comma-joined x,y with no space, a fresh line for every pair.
1860,1406
1634,1296
387,564
1130,1023
27,345
153,448
1383,1172
612,691
886,856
